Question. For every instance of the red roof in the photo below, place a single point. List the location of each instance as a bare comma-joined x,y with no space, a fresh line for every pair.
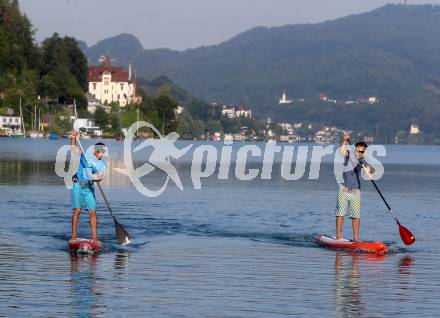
94,73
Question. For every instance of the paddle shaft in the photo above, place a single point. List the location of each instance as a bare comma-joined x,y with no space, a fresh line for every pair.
381,195
106,201
378,191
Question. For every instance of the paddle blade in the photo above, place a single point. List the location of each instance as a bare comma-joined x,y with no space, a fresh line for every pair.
406,235
121,234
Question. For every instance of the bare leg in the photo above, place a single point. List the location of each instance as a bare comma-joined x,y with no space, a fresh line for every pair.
92,214
339,223
75,217
356,223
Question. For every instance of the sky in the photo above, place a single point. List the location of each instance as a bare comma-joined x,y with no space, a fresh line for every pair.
182,24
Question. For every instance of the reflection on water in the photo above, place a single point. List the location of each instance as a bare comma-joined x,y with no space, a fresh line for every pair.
26,172
121,262
405,271
227,250
352,278
84,292
405,264
347,290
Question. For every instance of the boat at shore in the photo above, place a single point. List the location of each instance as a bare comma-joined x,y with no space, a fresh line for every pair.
35,133
53,136
18,134
21,133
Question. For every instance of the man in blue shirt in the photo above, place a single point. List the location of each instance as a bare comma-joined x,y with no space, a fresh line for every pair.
91,168
349,192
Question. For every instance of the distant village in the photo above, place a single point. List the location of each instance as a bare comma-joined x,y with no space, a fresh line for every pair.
109,85
284,100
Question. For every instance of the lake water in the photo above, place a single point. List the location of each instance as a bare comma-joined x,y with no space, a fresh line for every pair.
231,249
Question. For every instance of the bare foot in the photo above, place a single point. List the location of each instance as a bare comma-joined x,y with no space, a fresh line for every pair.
338,238
72,239
357,240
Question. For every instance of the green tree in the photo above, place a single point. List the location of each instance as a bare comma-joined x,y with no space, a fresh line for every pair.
63,70
214,126
190,128
166,106
101,117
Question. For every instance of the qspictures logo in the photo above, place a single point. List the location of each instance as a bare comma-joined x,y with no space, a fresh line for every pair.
207,160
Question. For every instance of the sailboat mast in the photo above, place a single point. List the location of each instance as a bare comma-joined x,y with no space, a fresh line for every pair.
22,120
137,122
74,107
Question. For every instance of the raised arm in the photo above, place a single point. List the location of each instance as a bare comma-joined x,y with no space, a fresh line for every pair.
73,145
342,148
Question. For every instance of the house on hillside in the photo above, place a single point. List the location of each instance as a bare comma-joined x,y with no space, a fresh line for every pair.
236,111
372,100
93,104
323,97
46,120
10,123
415,129
179,110
110,84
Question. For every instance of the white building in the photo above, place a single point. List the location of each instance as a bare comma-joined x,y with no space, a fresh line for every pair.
236,111
93,104
327,135
228,111
372,100
179,110
110,84
86,124
243,111
284,99
10,123
285,126
415,129
82,122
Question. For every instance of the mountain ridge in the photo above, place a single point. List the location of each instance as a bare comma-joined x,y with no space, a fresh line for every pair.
390,52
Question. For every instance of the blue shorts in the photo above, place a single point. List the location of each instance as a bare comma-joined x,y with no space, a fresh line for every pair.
83,198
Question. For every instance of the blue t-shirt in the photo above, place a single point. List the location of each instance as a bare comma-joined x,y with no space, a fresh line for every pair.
351,178
85,171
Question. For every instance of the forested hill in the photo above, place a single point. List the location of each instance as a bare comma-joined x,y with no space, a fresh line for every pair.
387,52
392,52
56,69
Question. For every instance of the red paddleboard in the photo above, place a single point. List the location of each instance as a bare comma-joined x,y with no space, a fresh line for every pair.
344,244
84,246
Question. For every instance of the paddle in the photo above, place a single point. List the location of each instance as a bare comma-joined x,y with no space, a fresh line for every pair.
405,234
121,234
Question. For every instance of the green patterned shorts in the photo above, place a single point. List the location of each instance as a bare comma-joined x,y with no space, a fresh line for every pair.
350,200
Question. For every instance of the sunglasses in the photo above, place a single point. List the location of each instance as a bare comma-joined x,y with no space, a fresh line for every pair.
100,151
360,151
